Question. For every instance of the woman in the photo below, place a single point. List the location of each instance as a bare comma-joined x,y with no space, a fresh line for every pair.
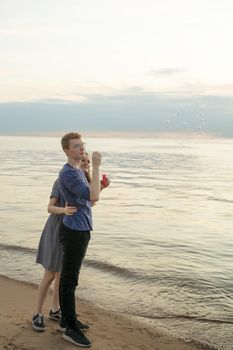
49,253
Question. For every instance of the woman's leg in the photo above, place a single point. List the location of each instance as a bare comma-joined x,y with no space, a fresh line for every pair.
43,289
55,300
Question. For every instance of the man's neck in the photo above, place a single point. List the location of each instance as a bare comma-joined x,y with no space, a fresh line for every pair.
73,163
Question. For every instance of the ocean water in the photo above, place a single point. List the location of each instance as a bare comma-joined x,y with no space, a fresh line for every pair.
162,243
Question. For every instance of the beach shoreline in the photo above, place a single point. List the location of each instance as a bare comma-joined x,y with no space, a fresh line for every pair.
108,330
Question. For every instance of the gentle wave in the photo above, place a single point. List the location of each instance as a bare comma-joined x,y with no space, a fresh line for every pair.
185,317
100,265
128,275
115,270
171,278
220,200
16,248
204,345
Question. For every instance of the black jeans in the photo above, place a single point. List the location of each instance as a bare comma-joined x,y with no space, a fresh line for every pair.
74,249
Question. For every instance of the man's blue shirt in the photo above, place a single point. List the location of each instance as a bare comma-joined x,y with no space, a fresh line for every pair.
75,190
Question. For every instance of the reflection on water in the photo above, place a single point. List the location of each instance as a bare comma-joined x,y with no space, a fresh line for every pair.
162,244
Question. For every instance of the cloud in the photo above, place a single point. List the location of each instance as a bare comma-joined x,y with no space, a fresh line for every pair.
166,71
31,31
122,112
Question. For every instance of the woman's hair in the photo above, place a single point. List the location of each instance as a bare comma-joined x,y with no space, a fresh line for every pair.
88,175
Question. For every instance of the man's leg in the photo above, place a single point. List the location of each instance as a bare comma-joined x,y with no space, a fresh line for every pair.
74,249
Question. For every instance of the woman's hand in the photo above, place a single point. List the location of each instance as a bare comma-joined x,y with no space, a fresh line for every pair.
68,210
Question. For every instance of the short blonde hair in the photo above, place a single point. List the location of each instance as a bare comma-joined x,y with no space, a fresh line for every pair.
65,141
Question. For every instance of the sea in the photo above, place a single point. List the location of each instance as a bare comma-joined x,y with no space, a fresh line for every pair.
162,245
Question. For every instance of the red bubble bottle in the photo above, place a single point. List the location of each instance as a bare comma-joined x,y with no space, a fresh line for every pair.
104,180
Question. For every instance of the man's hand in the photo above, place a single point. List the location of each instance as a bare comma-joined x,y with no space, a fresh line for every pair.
104,183
96,159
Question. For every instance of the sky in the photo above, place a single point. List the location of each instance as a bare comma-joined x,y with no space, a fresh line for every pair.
148,65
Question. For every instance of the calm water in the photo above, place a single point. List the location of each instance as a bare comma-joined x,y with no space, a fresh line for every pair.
162,242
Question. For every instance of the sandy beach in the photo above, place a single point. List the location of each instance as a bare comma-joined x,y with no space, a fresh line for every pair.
108,330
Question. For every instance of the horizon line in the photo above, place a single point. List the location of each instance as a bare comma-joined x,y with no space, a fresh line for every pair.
124,134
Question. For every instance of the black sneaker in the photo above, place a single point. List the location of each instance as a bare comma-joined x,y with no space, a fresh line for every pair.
55,315
62,326
38,323
80,325
77,337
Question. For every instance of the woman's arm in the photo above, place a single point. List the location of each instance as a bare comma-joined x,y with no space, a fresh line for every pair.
53,209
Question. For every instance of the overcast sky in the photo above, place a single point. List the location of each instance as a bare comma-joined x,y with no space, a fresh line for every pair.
160,61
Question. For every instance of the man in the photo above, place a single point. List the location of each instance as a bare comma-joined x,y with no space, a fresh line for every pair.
75,230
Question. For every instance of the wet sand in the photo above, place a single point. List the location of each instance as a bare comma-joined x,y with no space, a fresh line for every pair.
108,330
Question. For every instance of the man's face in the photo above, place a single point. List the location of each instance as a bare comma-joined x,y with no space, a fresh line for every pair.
76,149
